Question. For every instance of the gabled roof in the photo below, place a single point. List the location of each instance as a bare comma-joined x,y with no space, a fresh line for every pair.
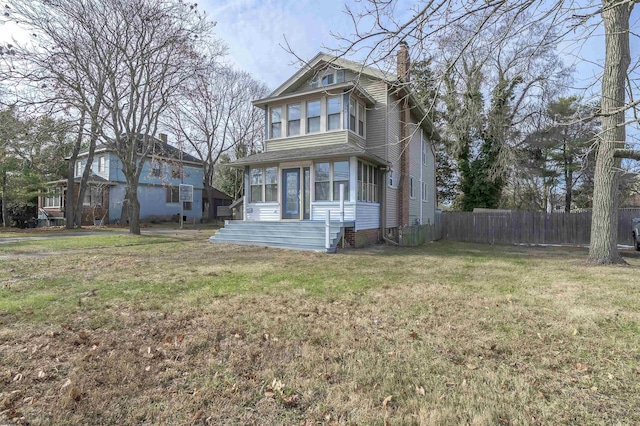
333,89
313,153
159,148
310,68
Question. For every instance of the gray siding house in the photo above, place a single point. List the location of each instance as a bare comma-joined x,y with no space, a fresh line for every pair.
336,122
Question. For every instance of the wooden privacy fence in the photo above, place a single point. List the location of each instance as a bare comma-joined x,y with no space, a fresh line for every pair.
510,227
420,234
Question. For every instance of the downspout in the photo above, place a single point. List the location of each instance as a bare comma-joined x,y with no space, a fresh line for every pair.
247,193
383,207
421,170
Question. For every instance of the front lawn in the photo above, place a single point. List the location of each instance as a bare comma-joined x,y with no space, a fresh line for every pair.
174,330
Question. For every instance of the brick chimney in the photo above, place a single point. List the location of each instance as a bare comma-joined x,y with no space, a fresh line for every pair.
404,62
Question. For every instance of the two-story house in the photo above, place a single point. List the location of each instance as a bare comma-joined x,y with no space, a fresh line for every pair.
164,169
338,123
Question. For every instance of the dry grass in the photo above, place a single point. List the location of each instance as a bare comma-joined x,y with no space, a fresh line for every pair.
189,333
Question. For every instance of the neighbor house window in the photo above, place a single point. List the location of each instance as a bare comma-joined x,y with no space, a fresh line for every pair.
93,196
276,122
334,107
367,183
53,197
328,176
173,194
293,117
264,184
78,168
313,116
425,190
411,188
101,164
156,169
187,205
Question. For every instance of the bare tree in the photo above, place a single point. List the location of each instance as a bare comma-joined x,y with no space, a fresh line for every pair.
380,26
123,61
213,115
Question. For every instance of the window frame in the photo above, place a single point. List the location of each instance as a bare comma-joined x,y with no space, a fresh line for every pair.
271,122
263,184
332,181
308,117
425,192
392,180
367,181
170,191
101,164
425,159
338,113
412,189
299,119
79,168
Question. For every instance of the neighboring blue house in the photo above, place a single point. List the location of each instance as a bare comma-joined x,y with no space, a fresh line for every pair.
158,191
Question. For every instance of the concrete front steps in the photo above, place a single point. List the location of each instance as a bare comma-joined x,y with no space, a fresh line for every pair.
295,235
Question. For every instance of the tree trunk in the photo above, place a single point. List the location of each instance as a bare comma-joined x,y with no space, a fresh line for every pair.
568,184
71,202
5,211
212,207
604,227
134,209
125,212
85,177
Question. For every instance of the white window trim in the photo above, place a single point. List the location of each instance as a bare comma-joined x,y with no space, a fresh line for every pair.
264,185
412,188
392,181
306,117
425,192
364,122
313,181
101,164
302,117
79,168
282,109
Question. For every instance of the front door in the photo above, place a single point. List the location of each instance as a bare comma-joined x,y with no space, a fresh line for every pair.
291,194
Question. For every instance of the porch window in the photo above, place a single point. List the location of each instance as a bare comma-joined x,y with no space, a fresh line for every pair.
313,116
367,183
256,185
340,176
334,106
271,184
264,184
276,122
328,177
293,117
322,181
173,194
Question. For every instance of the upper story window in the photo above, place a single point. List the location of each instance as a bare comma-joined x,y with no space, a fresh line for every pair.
293,119
156,169
334,108
313,116
392,179
327,78
276,122
357,117
425,192
101,164
78,168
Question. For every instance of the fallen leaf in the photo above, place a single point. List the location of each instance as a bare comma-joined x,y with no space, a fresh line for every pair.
17,377
386,401
575,331
594,388
41,374
420,390
66,383
472,366
74,394
414,335
464,383
582,367
147,368
610,376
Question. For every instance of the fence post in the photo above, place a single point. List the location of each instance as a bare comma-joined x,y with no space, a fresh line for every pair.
327,228
342,202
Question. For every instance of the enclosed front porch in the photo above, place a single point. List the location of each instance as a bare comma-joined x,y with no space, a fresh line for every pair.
345,189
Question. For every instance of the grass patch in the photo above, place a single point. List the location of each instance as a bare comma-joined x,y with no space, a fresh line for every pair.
171,329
